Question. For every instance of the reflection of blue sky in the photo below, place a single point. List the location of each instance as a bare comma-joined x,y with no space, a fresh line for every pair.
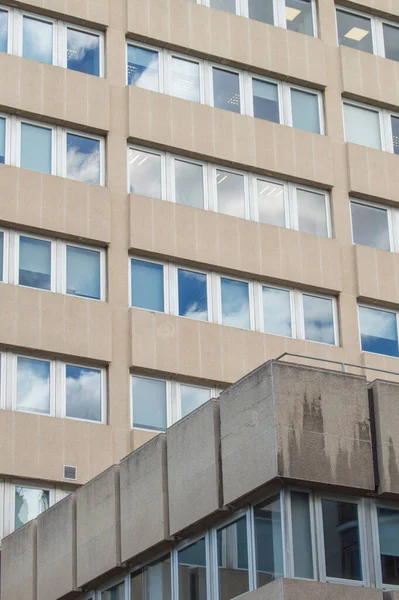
2,140
319,323
312,212
83,52
277,311
192,295
83,393
83,272
235,303
36,145
33,385
149,403
3,30
378,331
83,158
142,68
147,285
29,503
145,173
37,40
34,262
192,397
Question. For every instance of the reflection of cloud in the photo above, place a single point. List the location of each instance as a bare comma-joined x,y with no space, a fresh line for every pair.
33,386
83,395
83,166
38,40
377,323
319,319
277,312
79,43
195,311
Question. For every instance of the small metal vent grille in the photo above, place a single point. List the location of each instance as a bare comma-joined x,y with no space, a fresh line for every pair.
70,472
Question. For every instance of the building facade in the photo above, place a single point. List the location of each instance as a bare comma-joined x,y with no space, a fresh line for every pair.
186,191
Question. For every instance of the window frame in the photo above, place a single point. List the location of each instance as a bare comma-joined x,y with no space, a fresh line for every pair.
167,64
161,65
392,222
379,308
174,291
219,304
16,260
301,317
186,543
8,138
19,16
6,255
61,380
9,499
209,87
375,503
289,108
289,538
166,283
385,124
170,177
62,44
293,310
19,121
63,269
63,139
13,381
165,172
294,217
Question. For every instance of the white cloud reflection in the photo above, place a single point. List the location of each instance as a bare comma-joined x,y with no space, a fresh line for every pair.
80,42
83,166
83,393
33,385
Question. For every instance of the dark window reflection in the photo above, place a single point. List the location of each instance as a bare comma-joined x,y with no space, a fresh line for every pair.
378,331
232,547
268,541
391,41
388,529
193,301
370,226
226,90
152,583
192,572
83,52
341,540
395,134
261,10
226,5
34,263
298,14
265,97
354,31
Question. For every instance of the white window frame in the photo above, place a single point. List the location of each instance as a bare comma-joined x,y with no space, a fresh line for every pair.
9,499
214,189
63,137
218,303
7,141
174,291
62,268
19,16
5,264
63,45
375,538
61,380
300,317
161,63
165,172
287,101
10,29
392,222
170,176
293,311
286,197
3,387
209,88
12,368
14,276
357,13
166,283
385,123
379,308
289,538
17,145
365,582
168,70
250,92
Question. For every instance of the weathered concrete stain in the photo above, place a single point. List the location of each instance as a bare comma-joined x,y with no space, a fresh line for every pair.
393,469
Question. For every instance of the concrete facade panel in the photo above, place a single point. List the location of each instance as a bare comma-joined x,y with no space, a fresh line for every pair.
385,399
294,589
19,564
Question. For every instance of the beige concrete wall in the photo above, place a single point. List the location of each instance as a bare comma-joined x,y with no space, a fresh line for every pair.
294,589
19,564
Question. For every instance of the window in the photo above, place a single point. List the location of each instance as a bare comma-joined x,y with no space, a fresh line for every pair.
192,571
147,285
268,541
235,303
117,592
302,538
388,545
368,33
29,503
378,331
277,311
296,15
52,42
228,191
51,387
371,224
198,80
232,553
371,127
319,319
52,150
158,403
52,265
152,582
193,300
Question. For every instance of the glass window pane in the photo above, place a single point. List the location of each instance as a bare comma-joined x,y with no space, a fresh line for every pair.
235,303
33,385
341,540
362,126
277,311
378,331
391,41
83,272
261,10
271,203
147,285
265,97
395,134
189,182
226,90
370,226
153,582
117,592
312,215
36,148
230,193
1,255
149,403
319,321
232,549
37,40
29,503
83,52
192,396
354,31
305,111
193,300
226,5
2,140
34,263
185,79
302,535
145,173
83,393
298,14
388,530
143,68
3,31
83,159
268,541
192,572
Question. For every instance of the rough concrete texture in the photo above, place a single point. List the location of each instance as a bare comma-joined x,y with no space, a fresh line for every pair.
56,550
298,423
385,399
98,526
144,502
193,467
295,589
18,564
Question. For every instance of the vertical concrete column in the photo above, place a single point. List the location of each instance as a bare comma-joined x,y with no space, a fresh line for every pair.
19,564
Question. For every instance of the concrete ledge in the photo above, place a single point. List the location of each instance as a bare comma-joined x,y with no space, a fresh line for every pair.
144,501
295,589
19,564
